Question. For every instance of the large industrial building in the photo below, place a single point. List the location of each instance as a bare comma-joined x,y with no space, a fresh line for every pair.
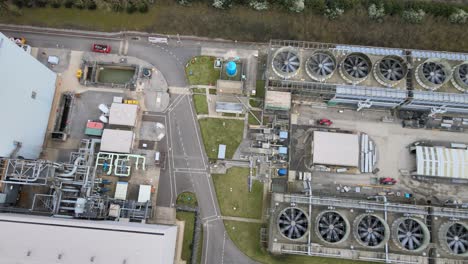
366,77
27,93
71,241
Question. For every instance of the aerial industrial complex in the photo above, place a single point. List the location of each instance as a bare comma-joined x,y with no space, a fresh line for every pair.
370,217
361,152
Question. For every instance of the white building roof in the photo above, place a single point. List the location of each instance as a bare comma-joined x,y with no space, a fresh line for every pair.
123,114
27,92
38,240
338,149
144,194
442,162
275,100
117,140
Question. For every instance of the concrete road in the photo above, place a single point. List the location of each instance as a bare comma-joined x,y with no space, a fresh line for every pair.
186,168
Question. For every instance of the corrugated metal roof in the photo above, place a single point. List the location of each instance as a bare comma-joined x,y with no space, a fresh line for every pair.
371,50
228,107
442,162
370,91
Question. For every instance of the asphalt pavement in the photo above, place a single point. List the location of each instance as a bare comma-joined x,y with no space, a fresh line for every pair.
186,167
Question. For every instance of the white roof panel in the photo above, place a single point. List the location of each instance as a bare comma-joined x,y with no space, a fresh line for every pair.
123,114
117,140
73,241
338,149
144,194
442,162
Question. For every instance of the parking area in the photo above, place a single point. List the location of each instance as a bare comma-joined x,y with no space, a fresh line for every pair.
393,157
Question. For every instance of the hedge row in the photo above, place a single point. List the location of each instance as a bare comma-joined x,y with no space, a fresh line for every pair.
129,6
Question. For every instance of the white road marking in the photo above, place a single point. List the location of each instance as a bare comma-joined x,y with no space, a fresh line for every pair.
196,132
207,242
224,243
171,154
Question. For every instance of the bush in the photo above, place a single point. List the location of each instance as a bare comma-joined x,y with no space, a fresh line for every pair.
259,6
142,7
317,6
458,17
412,16
40,3
80,4
184,2
14,10
222,4
19,3
333,13
131,8
68,3
56,3
296,6
376,13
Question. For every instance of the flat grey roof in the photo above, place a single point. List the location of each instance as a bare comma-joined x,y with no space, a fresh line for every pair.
228,107
72,241
123,114
278,100
221,151
117,140
338,149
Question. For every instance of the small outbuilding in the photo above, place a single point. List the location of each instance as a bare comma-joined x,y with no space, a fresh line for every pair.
335,149
120,141
123,114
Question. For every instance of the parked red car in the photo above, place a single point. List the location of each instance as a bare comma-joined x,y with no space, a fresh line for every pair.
324,122
102,48
388,181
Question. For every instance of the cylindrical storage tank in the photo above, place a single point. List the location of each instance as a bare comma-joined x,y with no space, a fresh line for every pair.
410,234
104,109
371,231
355,67
433,73
390,70
103,119
321,65
231,68
293,223
286,62
453,237
282,172
460,77
332,227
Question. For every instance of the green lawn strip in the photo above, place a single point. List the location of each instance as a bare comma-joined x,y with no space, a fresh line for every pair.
229,114
200,71
187,198
189,218
201,106
246,236
199,90
217,131
255,103
252,120
260,89
200,247
232,192
212,91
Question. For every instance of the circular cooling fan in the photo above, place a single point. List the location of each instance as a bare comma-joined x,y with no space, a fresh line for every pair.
434,72
410,234
293,223
286,62
332,227
457,239
391,69
356,66
371,231
320,65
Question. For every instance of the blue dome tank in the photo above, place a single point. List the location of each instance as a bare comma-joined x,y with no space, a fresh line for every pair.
231,68
282,172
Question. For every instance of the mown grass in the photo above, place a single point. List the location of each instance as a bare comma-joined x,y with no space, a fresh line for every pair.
199,90
260,89
201,106
217,131
243,23
189,218
246,236
233,194
252,120
200,71
187,198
